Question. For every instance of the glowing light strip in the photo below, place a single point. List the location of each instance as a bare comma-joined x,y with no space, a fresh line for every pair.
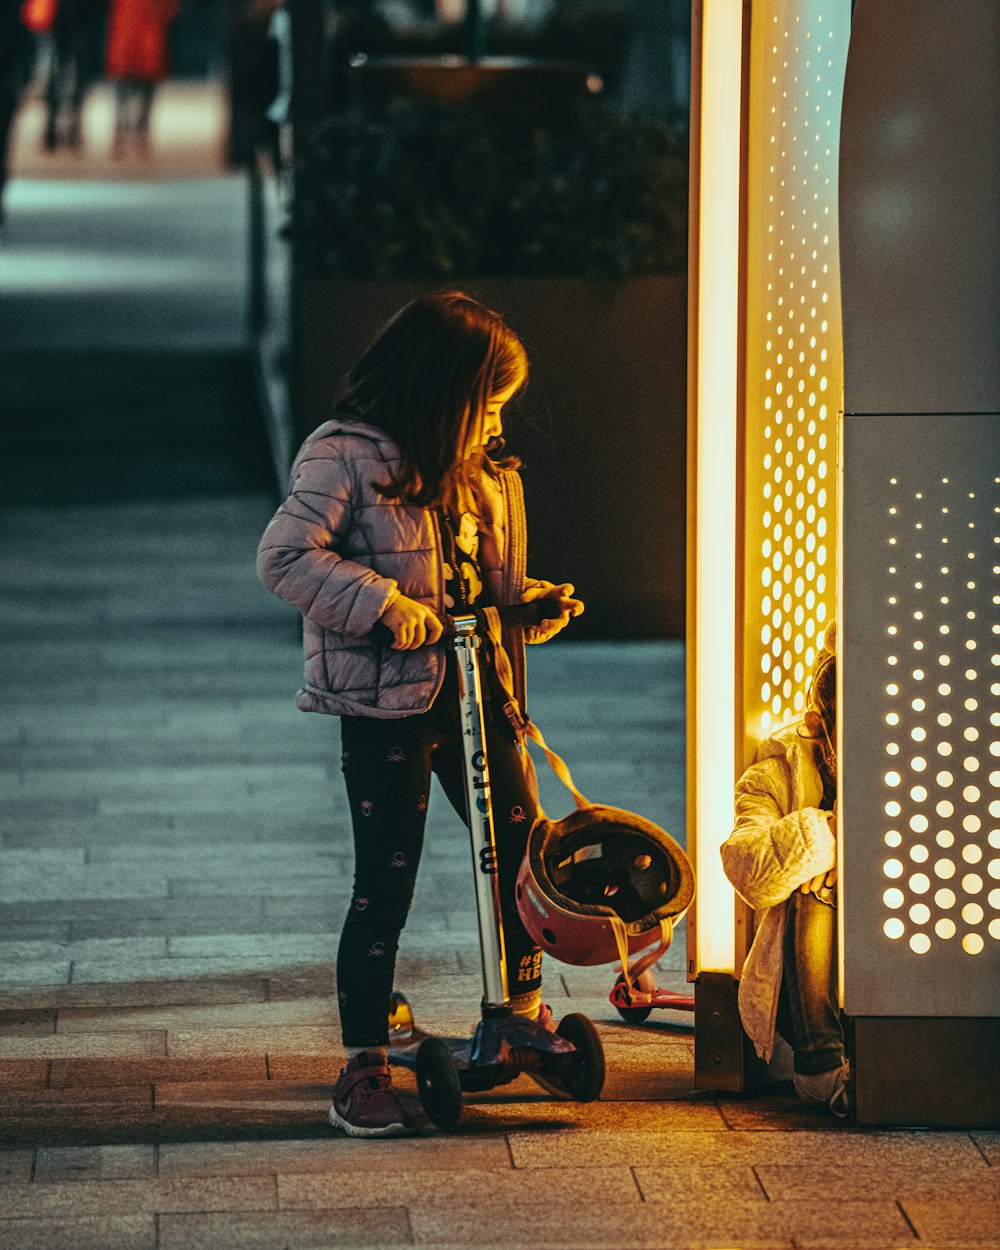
715,541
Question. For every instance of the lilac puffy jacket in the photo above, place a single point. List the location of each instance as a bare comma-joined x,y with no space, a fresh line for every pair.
342,553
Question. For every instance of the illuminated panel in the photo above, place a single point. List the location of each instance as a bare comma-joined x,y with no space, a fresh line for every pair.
714,483
794,358
920,777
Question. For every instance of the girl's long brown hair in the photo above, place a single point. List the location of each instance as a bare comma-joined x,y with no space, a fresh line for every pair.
425,380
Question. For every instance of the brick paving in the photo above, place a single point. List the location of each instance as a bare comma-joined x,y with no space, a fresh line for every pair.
174,866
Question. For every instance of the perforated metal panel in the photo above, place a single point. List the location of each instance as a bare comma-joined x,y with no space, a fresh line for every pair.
920,715
794,377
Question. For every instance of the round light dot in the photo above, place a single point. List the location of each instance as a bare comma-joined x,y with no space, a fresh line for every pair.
972,883
918,794
945,928
994,928
919,823
972,944
892,808
919,853
945,899
894,928
945,808
920,913
972,913
892,868
920,943
944,869
893,838
971,823
944,779
920,883
893,779
972,854
893,897
945,837
971,794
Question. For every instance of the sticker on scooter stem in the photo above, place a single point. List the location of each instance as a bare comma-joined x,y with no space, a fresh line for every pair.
479,782
488,861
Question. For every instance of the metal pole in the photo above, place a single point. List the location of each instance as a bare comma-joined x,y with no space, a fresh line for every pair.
480,814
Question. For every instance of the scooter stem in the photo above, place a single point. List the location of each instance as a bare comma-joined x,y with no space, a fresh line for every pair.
465,643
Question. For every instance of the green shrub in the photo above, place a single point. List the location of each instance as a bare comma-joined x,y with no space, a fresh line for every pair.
435,191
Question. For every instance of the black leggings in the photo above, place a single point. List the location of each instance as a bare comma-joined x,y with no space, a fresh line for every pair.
387,766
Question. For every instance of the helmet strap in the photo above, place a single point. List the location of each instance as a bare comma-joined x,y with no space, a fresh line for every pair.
633,973
522,725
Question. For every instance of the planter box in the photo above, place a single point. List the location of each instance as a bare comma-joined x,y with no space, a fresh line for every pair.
605,466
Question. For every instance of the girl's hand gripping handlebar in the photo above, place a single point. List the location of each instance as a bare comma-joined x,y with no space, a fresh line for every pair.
406,625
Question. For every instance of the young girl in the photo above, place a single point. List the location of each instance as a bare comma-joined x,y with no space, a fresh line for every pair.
782,860
403,509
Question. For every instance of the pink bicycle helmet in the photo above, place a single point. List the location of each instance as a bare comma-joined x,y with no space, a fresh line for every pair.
601,885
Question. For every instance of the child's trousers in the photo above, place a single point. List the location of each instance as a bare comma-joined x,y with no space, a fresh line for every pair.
387,766
808,1010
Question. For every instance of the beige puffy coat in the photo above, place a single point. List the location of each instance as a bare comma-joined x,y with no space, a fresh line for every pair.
342,553
782,838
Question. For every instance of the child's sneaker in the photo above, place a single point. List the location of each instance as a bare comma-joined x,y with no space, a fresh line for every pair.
364,1102
832,1087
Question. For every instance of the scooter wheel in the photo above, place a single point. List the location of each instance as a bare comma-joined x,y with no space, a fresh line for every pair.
581,1074
631,1015
438,1083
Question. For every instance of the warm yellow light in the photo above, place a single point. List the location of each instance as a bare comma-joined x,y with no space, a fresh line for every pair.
715,475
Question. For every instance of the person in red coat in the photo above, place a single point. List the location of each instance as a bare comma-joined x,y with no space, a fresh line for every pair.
136,59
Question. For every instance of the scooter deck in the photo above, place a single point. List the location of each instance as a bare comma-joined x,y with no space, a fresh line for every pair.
499,1050
638,999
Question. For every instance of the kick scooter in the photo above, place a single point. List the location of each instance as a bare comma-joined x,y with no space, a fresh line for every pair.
635,1005
568,1062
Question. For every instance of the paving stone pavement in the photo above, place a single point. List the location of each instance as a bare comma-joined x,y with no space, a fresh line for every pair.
175,863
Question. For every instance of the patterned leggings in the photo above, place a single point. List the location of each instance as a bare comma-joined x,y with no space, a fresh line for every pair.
387,766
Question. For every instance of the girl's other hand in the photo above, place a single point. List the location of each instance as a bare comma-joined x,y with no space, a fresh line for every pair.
563,600
825,882
411,624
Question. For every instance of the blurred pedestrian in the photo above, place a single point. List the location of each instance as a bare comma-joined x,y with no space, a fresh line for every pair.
16,50
74,64
136,59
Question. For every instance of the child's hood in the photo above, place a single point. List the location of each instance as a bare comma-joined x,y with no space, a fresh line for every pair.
786,743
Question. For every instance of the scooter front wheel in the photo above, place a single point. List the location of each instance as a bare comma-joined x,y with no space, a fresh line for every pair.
581,1074
438,1083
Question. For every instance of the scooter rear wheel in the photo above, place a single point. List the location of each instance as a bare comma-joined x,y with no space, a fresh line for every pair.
438,1083
581,1074
631,1015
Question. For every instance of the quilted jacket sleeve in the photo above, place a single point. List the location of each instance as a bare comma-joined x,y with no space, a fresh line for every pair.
297,557
773,850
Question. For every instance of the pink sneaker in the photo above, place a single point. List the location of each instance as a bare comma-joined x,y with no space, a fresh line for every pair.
364,1102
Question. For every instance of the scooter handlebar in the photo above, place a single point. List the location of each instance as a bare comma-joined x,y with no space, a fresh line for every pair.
515,614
